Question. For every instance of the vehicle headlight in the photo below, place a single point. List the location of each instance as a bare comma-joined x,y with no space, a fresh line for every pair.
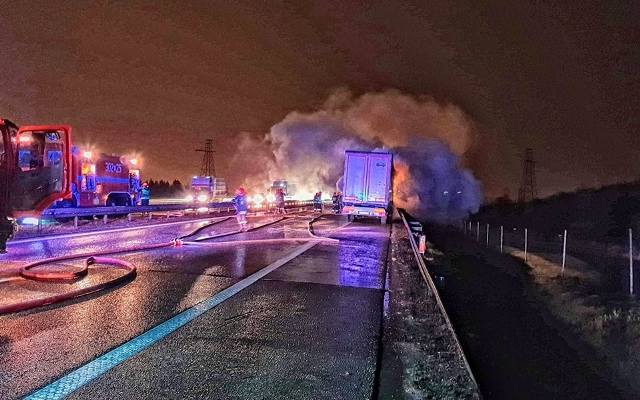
258,199
29,221
189,198
202,198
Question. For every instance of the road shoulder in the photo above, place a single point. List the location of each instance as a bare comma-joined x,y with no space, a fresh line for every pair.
419,353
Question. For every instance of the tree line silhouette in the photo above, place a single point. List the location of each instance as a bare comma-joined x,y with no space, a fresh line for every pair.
163,188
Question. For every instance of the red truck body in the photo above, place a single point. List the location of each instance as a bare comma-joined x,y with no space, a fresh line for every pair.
103,180
35,166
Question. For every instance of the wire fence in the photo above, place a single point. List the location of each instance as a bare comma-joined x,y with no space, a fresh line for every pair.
608,267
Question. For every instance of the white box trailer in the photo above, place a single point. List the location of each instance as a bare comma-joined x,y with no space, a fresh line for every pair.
367,187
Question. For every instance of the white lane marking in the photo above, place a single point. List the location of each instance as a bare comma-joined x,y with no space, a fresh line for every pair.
79,377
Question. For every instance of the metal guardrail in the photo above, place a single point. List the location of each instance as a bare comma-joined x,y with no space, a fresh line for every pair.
415,228
124,210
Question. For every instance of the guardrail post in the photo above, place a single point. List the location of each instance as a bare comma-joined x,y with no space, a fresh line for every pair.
105,218
150,216
501,237
129,217
75,221
478,231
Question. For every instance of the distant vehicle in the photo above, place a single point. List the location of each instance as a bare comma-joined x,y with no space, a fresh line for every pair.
205,189
102,180
367,184
288,187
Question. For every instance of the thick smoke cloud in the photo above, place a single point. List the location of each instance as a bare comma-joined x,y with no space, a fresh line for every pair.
428,140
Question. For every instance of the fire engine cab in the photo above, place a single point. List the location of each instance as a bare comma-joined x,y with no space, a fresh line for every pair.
102,180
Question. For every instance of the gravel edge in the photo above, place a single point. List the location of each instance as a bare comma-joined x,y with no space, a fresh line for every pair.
420,358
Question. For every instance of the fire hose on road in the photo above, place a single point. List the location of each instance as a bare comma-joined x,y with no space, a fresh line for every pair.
30,271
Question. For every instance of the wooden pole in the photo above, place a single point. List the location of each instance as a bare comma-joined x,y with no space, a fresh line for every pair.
487,235
630,261
564,251
526,242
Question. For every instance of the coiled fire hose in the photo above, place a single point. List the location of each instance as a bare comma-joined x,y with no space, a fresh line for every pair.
30,272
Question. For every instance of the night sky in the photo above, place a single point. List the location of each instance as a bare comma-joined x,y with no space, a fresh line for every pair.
156,79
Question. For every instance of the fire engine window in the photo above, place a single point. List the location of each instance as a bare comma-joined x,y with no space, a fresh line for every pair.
30,152
54,158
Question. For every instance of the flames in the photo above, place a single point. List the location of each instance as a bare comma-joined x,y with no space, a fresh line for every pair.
403,196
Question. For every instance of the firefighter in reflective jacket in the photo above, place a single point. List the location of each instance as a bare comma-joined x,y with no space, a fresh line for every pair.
317,202
336,202
145,194
280,202
240,203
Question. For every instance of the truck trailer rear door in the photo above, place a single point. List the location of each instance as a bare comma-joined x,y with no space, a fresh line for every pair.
379,173
355,177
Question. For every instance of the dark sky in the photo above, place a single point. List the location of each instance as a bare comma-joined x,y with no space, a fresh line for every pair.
160,78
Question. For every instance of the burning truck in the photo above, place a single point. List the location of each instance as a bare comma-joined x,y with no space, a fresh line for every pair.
367,184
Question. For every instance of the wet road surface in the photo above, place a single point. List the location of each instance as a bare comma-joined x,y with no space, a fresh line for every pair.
307,330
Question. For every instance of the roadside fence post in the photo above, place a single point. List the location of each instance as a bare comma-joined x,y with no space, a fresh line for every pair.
75,221
105,219
478,231
564,251
630,261
487,235
501,237
526,243
129,217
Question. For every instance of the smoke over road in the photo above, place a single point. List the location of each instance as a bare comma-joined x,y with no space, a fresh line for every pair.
427,139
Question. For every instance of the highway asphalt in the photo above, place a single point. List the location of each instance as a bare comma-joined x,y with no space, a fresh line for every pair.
307,330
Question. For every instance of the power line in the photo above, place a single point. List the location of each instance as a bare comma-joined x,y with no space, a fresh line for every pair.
528,190
208,167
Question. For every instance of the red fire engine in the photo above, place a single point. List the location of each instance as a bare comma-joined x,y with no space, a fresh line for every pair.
102,180
34,171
